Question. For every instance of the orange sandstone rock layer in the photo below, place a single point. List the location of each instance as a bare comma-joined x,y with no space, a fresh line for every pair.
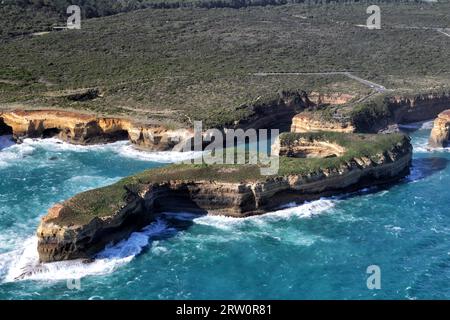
81,128
440,134
305,123
333,98
137,205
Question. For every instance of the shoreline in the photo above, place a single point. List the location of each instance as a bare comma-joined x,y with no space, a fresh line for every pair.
235,199
82,225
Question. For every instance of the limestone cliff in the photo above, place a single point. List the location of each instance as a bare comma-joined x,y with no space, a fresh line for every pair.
273,112
394,110
81,226
306,148
440,134
418,108
82,128
305,122
331,98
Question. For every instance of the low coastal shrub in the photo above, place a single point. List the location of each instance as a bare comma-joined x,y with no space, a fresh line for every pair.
107,200
371,116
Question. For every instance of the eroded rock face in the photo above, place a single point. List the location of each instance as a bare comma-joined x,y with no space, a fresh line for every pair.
418,108
332,99
304,122
303,148
402,110
80,241
276,113
61,241
88,129
440,134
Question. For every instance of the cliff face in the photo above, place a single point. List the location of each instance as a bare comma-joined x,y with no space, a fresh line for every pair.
65,242
281,113
400,110
333,98
440,134
419,108
304,148
88,129
274,113
64,234
306,123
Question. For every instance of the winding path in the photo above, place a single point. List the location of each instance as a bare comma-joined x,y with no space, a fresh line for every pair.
443,32
377,87
440,30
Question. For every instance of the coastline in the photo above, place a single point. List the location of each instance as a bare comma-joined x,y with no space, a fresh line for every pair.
78,227
238,200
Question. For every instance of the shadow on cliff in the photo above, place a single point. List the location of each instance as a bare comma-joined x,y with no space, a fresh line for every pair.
174,223
178,214
421,168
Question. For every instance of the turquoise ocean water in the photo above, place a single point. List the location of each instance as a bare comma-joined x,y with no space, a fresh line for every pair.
318,250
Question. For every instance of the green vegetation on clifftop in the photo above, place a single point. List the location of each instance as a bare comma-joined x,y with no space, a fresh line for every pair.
106,201
181,65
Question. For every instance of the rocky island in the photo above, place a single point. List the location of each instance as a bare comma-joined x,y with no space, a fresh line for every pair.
312,165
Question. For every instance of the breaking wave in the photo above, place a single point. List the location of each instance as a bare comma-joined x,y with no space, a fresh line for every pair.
24,264
127,150
306,210
11,152
423,125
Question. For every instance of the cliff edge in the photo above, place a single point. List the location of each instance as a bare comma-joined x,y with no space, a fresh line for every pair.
84,224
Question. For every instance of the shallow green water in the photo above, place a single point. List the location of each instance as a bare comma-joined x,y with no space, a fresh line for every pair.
317,250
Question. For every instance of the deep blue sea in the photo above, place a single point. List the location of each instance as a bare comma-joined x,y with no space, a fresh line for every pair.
318,250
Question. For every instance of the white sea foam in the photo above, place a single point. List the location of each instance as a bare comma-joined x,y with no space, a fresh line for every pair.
24,264
13,153
306,210
421,146
127,150
428,125
422,125
10,152
121,148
